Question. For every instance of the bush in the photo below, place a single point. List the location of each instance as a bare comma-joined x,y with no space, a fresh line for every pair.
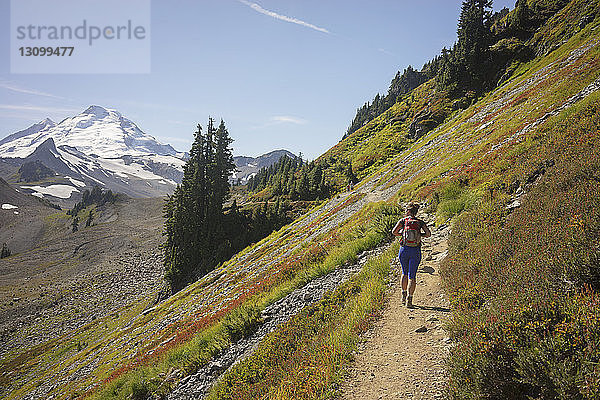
5,252
451,199
242,322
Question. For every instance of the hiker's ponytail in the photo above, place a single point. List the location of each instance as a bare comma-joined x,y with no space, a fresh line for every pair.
412,208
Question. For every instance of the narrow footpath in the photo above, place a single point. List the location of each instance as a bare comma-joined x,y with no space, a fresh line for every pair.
403,355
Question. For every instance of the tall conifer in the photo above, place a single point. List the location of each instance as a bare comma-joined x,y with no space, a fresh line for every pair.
194,217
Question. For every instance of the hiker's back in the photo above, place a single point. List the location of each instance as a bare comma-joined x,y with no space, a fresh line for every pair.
411,235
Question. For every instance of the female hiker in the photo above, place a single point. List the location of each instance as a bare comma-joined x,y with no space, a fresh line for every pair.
411,229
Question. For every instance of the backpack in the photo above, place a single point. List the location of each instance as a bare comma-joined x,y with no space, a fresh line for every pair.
411,235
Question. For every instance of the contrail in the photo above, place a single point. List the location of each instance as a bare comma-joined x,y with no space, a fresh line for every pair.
273,14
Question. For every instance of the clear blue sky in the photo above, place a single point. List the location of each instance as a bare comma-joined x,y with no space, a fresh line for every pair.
276,83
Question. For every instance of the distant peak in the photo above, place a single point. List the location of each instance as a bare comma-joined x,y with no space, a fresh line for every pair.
98,111
43,124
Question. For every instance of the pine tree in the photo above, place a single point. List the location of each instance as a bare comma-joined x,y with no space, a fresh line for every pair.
474,38
520,21
194,216
90,218
302,187
224,166
5,251
185,212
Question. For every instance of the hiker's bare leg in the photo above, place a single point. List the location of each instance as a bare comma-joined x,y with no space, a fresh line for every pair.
404,282
411,288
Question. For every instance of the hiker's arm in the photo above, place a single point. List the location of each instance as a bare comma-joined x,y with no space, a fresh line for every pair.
426,229
396,231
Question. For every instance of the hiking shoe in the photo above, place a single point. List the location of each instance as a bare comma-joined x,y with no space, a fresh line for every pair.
404,294
409,302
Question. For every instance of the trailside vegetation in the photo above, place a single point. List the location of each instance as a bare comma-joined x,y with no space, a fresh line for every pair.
524,277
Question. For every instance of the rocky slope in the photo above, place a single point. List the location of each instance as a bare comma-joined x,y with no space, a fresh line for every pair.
67,279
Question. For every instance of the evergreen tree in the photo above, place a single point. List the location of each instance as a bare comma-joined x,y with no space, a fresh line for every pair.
194,215
402,84
90,218
303,187
96,196
519,24
75,224
224,166
5,251
185,212
474,39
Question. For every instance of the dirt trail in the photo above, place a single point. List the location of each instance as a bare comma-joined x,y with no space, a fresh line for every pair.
402,357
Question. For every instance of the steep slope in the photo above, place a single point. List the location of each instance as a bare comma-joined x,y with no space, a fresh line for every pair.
465,162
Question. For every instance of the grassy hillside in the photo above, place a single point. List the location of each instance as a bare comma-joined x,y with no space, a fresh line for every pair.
516,172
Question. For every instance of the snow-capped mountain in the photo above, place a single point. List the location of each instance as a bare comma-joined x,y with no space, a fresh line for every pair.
97,147
249,166
31,131
96,131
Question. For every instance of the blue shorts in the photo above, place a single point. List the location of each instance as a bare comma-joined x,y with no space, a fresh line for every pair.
410,257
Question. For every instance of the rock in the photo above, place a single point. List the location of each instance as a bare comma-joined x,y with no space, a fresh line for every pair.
515,204
148,310
422,329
